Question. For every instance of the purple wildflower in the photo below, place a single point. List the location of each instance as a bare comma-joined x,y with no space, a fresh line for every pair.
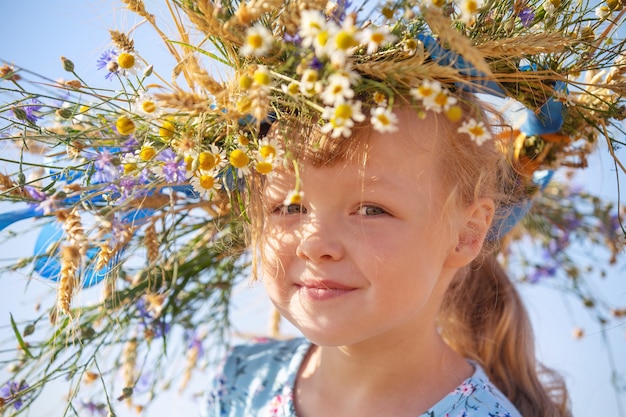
106,169
29,111
108,60
526,16
295,39
99,409
339,14
316,64
194,342
173,169
13,391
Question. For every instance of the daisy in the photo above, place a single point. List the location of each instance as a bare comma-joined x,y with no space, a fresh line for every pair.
125,125
338,89
565,98
129,63
259,41
469,9
427,90
477,131
147,151
442,100
341,118
262,76
550,6
374,38
309,83
270,150
384,120
312,24
205,184
240,160
147,106
293,197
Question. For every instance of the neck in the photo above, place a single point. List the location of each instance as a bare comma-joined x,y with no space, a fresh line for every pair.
410,374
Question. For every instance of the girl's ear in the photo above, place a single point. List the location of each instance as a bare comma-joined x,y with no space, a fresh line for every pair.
475,223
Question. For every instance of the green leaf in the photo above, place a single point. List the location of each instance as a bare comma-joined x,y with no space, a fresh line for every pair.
18,336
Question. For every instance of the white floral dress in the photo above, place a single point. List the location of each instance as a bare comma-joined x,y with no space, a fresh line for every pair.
257,380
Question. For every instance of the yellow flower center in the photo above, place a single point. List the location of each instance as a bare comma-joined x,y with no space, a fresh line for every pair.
245,82
255,40
471,6
244,104
425,91
188,162
125,125
378,38
167,129
206,161
292,89
128,168
267,151
264,167
295,198
477,130
345,40
383,119
126,60
148,106
322,37
454,113
438,3
343,111
147,153
243,140
239,159
207,181
262,77
441,99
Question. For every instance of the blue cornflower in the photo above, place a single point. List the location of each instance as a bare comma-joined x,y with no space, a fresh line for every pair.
29,110
526,16
174,170
108,60
12,391
106,169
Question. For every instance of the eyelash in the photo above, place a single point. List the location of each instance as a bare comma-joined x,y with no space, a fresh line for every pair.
365,207
361,210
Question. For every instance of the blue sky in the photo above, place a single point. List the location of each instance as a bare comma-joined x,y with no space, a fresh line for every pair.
37,33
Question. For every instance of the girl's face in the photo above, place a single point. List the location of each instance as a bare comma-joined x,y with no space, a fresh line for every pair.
363,254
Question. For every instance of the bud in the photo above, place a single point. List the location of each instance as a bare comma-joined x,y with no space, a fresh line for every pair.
28,330
148,71
19,113
75,84
64,113
67,64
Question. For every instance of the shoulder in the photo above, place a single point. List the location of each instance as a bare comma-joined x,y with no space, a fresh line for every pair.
256,375
477,396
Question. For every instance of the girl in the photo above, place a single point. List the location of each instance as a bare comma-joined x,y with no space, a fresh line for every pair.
376,249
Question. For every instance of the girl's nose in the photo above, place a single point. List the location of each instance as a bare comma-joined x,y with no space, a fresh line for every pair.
319,242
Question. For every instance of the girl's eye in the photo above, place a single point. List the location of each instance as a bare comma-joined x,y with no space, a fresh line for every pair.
370,211
290,209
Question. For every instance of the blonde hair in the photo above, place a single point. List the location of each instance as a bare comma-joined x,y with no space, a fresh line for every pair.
482,316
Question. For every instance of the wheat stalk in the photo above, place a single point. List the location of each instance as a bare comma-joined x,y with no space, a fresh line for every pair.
70,261
122,41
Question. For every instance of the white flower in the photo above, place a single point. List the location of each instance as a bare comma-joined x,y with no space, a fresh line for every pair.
259,41
338,89
477,131
128,63
565,98
373,38
312,23
469,9
205,184
309,83
341,118
384,120
270,150
603,11
549,6
147,106
293,197
426,90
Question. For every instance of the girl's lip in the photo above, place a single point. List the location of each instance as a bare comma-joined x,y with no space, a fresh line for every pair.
324,290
